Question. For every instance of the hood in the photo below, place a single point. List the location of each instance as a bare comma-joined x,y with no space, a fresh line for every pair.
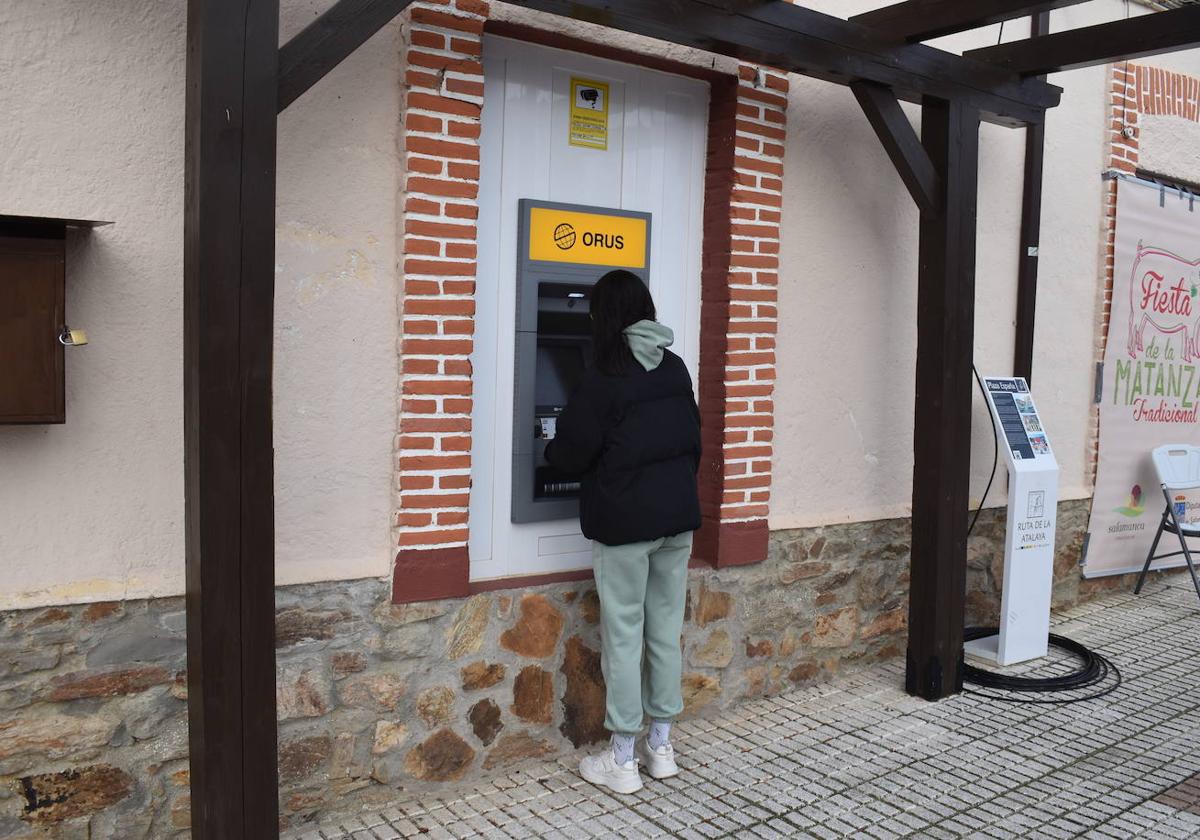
647,339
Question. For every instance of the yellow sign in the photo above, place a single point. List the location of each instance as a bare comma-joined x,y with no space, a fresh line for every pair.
589,114
567,236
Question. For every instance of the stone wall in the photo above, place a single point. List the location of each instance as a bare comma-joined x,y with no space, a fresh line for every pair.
375,697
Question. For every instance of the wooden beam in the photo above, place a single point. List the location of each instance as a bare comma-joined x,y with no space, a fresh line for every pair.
901,143
920,20
942,432
1160,32
1031,224
228,286
329,40
798,39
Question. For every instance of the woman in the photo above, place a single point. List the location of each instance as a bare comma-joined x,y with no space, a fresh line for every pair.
632,431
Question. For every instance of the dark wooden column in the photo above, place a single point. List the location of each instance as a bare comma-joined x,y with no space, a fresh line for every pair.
229,252
1031,226
942,431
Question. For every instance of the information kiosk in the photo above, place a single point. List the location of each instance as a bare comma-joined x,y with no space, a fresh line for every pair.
563,250
1029,541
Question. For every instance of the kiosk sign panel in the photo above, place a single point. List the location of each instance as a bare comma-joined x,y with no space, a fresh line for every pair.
563,250
1029,540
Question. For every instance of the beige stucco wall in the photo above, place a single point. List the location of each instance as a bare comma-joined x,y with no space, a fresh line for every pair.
93,128
93,100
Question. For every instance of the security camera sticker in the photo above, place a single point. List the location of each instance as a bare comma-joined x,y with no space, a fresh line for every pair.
589,114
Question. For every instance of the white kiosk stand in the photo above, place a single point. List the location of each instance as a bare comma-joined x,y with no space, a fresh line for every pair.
1029,541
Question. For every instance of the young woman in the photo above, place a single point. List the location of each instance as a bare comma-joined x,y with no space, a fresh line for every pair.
632,431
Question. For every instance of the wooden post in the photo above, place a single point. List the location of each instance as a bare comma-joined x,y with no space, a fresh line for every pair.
1031,226
229,252
942,432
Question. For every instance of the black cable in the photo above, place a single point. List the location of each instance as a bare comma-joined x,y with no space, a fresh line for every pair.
1095,667
995,454
1093,671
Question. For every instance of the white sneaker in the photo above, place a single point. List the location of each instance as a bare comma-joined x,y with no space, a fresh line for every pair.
659,763
603,770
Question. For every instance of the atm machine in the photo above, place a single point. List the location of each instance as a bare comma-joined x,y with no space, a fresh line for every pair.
563,250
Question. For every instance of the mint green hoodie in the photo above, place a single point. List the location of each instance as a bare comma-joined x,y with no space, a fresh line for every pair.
647,340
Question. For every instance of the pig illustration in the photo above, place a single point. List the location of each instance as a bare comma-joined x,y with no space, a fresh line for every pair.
1162,295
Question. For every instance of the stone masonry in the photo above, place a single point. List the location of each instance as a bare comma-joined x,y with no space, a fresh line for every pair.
376,698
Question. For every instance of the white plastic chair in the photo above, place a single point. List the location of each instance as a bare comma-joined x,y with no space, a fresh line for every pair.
1178,468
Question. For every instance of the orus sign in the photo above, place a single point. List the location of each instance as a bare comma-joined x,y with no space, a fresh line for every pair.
571,236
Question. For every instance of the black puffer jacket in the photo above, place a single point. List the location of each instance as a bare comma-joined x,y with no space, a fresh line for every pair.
635,440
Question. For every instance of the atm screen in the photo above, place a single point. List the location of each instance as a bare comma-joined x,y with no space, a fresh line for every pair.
559,369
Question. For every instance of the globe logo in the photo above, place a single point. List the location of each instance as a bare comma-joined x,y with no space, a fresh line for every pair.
564,236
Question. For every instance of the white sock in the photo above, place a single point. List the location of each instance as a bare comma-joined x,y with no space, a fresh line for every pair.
660,733
622,746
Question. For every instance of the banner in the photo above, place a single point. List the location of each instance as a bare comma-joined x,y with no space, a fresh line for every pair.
1151,376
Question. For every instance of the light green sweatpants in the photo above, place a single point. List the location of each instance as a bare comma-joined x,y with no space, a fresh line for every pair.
642,588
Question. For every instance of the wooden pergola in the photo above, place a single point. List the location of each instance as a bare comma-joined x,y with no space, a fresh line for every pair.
239,79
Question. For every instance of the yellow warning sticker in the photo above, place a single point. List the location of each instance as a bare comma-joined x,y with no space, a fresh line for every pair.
589,114
567,236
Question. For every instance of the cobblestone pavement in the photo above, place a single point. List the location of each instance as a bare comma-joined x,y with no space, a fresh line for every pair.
859,758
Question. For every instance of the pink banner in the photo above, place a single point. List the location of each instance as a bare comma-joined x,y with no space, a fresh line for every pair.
1151,378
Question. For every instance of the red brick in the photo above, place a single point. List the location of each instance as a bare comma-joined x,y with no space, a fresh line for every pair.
442,148
416,482
423,122
458,287
461,250
422,287
444,63
439,306
474,7
457,406
442,230
421,328
442,104
458,327
437,346
432,537
422,79
466,46
436,424
446,267
446,21
423,247
470,171
454,482
759,95
464,86
460,443
454,517
462,129
425,166
419,406
423,206
414,520
457,367
769,131
432,40
428,463
438,387
412,442
462,211
421,367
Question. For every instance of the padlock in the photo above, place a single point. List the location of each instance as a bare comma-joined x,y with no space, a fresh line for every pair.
73,338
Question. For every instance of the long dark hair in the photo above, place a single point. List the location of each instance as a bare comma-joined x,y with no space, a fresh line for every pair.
619,299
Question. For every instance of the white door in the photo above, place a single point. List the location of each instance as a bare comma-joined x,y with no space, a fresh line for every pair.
654,162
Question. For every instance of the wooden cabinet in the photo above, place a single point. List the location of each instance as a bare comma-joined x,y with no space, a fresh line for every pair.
32,317
32,290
